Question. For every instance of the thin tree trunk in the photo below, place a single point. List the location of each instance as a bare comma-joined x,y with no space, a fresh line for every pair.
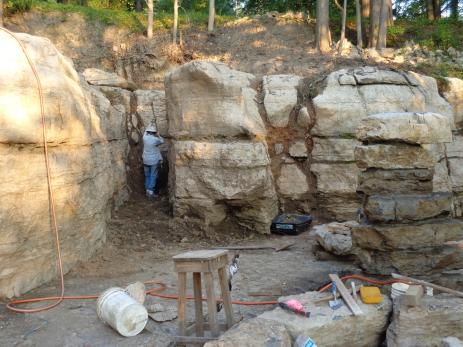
139,5
174,30
436,5
375,10
365,8
358,21
390,16
343,27
383,18
323,26
1,13
454,9
150,18
210,24
430,9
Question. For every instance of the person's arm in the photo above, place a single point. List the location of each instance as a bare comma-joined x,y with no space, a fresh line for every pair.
159,140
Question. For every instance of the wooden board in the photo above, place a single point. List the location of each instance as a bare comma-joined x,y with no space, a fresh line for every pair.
202,255
350,302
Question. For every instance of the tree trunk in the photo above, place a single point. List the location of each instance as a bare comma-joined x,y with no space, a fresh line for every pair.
358,21
174,30
375,10
436,5
390,16
365,8
430,9
454,9
150,18
210,24
1,13
323,26
343,27
383,19
139,5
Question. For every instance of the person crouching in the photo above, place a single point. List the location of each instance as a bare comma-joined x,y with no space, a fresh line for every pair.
152,158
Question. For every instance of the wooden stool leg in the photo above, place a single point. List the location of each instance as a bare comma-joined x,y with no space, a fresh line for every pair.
181,303
227,304
198,303
211,304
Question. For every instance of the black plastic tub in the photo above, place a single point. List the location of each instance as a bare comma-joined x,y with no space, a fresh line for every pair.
290,224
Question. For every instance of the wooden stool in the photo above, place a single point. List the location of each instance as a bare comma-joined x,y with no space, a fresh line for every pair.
206,262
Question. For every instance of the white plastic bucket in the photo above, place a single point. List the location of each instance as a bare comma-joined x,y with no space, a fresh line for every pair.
119,310
398,289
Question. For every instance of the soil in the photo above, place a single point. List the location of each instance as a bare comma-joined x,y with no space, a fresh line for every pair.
142,239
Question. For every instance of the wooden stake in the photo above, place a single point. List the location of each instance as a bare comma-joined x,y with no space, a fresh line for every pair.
350,302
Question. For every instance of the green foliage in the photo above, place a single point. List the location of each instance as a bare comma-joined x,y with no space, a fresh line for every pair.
440,34
13,6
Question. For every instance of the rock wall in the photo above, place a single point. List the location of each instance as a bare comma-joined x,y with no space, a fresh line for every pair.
309,131
406,222
87,150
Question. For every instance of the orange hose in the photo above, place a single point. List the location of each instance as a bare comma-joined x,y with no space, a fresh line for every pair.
60,298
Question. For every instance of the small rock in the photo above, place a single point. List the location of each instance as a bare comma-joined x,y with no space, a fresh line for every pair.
298,149
335,237
164,316
303,118
137,291
279,148
452,342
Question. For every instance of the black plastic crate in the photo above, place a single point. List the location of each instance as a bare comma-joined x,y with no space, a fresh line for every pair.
290,224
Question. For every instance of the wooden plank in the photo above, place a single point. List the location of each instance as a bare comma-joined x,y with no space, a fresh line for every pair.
227,304
201,266
211,304
198,303
355,308
428,284
202,255
193,340
181,303
253,248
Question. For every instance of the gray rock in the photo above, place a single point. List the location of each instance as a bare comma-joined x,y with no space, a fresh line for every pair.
375,76
206,99
401,181
452,341
334,328
304,120
426,325
292,182
103,78
454,96
298,149
407,236
397,156
407,127
335,237
256,332
333,149
408,208
280,97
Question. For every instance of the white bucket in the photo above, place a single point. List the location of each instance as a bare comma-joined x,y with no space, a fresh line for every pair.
119,310
398,289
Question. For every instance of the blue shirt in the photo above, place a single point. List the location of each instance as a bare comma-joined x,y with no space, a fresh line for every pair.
151,152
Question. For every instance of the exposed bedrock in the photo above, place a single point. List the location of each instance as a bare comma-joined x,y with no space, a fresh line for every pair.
87,151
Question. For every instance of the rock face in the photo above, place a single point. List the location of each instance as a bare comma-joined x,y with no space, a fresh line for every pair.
292,183
87,150
102,78
454,95
211,100
436,318
230,170
280,97
366,331
255,332
345,98
407,222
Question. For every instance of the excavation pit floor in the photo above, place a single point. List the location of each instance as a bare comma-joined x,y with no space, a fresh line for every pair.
141,242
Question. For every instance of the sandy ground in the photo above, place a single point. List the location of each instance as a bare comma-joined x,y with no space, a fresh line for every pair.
141,242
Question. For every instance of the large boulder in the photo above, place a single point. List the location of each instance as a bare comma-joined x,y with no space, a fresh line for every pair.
409,127
213,175
334,328
207,99
280,97
292,182
87,150
454,96
335,237
427,324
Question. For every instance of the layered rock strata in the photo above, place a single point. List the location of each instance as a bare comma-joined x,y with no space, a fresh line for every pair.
406,222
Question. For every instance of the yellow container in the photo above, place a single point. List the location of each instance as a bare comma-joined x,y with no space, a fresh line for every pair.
370,295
